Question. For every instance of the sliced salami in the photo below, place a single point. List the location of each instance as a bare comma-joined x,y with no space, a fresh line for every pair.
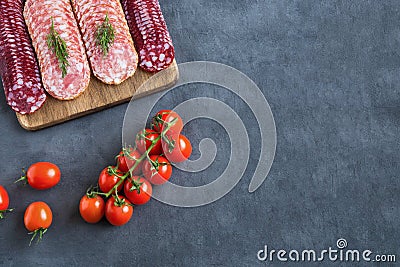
116,60
19,69
150,34
63,63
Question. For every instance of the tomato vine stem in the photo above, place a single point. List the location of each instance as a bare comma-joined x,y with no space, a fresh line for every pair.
139,160
136,184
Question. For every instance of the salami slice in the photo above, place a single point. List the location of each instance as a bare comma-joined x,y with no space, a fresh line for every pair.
65,74
19,69
150,34
117,61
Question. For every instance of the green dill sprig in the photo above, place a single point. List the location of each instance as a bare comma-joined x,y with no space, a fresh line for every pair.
105,35
59,47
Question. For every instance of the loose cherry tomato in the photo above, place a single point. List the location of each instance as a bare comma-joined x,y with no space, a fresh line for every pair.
42,175
157,170
144,140
118,210
177,148
92,208
138,190
107,179
126,161
163,117
38,218
4,202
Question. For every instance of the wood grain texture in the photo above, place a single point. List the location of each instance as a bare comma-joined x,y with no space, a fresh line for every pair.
98,96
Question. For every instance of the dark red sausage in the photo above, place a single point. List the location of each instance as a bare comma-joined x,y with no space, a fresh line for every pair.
150,34
18,65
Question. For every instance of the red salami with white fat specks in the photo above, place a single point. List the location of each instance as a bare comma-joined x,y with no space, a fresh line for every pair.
150,34
39,15
18,65
120,61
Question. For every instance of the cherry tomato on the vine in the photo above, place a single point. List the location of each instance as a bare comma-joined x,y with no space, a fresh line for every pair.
138,190
4,201
163,117
38,218
176,148
144,140
92,208
42,175
127,161
107,179
118,210
157,170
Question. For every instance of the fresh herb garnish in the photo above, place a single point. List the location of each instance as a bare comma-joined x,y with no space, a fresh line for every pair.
105,35
59,47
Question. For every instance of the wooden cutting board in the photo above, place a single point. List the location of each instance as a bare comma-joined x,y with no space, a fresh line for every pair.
98,96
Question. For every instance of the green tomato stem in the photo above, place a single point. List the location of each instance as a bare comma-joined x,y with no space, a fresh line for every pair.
40,231
145,155
23,178
2,212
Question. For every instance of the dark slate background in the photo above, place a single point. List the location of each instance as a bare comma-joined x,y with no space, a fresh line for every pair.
331,73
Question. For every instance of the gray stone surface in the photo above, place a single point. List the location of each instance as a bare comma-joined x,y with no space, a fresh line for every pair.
330,71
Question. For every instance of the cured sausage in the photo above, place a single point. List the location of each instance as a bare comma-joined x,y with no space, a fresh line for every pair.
150,34
114,60
59,47
18,65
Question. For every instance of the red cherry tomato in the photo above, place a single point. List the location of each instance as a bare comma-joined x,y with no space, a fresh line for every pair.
158,170
127,161
38,218
107,180
4,202
165,116
177,148
138,190
92,208
42,175
38,215
144,140
118,210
